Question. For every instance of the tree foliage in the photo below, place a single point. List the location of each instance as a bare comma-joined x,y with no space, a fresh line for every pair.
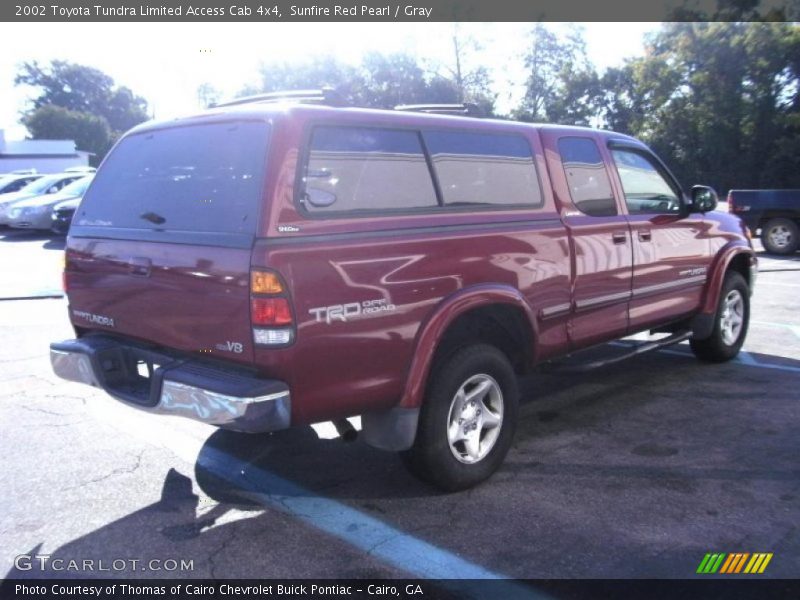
379,81
83,89
719,101
90,132
81,100
562,85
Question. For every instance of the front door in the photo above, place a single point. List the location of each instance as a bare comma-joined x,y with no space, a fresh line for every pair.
670,250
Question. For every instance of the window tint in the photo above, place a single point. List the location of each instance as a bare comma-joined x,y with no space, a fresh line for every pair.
360,169
646,190
586,174
14,185
478,168
202,178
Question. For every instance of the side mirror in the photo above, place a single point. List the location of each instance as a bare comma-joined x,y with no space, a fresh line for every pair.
704,199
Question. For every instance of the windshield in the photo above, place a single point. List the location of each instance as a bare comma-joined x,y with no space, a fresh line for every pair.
76,188
40,185
199,178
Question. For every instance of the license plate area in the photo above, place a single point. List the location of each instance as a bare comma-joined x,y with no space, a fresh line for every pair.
133,374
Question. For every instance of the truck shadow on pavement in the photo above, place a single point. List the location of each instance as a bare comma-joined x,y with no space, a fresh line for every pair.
630,471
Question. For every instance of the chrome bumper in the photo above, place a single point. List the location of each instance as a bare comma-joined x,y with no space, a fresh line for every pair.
228,399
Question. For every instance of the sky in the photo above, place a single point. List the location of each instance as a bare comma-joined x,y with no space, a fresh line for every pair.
166,62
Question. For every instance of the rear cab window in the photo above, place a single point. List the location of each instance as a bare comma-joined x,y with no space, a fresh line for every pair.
588,180
195,180
353,171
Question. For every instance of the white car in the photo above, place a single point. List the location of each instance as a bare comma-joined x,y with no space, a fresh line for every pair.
48,184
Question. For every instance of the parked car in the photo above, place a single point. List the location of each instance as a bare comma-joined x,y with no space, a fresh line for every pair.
36,212
48,184
774,214
62,214
269,264
13,182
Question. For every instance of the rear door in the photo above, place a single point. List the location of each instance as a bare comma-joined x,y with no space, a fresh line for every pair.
599,236
160,246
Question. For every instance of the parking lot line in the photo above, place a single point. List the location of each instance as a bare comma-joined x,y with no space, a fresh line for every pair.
793,328
398,548
744,358
378,539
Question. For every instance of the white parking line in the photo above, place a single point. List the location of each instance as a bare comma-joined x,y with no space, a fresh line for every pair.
394,546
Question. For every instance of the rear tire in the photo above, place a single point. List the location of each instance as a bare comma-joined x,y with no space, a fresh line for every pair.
467,421
780,236
730,322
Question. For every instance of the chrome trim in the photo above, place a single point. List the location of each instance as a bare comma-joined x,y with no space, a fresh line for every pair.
73,366
658,287
555,310
262,413
608,298
270,412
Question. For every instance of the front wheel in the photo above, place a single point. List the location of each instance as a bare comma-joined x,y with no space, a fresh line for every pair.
730,322
467,421
780,236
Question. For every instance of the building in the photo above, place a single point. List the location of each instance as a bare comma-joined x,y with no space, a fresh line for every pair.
46,156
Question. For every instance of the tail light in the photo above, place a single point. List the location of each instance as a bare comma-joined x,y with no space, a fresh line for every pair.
64,276
270,311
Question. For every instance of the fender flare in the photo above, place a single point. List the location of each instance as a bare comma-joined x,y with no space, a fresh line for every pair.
445,313
718,268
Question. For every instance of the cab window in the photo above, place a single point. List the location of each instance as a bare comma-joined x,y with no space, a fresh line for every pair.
646,189
589,184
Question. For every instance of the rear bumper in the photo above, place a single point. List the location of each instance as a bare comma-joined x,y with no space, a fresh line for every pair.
174,385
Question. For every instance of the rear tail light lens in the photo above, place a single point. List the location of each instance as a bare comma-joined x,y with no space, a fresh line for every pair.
270,310
265,282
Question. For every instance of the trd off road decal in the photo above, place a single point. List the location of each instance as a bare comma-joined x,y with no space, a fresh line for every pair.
351,310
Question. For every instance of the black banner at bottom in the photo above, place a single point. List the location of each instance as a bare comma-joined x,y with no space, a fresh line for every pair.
402,589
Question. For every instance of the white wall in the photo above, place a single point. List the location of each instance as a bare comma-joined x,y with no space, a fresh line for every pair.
42,165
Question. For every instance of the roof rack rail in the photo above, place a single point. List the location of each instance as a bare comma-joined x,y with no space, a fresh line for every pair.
328,96
465,109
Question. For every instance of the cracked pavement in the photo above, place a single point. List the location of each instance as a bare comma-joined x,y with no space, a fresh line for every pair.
636,471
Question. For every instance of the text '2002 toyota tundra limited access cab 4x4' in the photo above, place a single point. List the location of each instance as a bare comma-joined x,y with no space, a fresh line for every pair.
268,264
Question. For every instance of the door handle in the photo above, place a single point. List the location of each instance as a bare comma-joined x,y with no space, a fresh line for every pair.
645,235
619,237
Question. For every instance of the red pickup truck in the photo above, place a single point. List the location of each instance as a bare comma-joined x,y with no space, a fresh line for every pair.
275,263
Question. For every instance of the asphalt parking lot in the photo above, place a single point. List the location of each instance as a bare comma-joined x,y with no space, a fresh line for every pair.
637,470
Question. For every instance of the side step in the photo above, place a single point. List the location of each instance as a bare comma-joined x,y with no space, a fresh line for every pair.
675,338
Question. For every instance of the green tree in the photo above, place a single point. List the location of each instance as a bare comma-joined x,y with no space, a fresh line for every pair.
379,81
719,101
468,79
83,89
562,84
91,133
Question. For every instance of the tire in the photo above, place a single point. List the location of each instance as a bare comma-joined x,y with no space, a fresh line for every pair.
489,419
730,322
780,236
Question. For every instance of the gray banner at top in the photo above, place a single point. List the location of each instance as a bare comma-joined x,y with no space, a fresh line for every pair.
408,10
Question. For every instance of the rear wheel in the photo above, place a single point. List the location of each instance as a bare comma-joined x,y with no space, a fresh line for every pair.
730,322
467,421
780,236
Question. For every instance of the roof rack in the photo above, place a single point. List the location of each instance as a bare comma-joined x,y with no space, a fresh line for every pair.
464,109
326,95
